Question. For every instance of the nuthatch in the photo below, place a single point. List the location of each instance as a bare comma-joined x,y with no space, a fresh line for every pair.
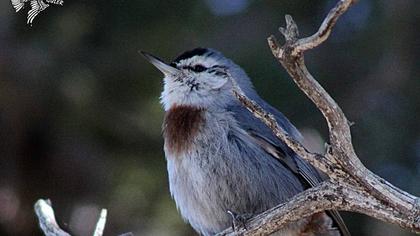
220,158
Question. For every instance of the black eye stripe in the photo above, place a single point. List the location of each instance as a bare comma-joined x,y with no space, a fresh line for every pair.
195,68
198,68
201,68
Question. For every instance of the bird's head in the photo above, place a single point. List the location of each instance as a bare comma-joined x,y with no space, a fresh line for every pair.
198,78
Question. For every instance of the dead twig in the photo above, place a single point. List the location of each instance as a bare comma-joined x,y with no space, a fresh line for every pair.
49,225
352,187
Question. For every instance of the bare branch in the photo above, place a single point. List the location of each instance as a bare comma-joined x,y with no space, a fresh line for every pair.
352,187
100,226
328,195
47,220
324,30
49,226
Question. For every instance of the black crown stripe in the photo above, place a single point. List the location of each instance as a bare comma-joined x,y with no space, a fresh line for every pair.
191,53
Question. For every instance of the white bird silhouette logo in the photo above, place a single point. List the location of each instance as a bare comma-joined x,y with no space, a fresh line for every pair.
37,6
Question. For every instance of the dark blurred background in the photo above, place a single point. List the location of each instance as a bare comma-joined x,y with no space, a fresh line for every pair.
80,119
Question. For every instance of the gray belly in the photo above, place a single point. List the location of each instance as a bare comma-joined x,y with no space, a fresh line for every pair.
226,172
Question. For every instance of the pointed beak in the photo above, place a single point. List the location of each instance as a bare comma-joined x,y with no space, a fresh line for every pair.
160,64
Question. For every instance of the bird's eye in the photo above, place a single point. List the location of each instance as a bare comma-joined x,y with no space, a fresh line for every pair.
198,68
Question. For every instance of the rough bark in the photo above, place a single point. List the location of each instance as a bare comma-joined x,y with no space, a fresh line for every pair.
352,187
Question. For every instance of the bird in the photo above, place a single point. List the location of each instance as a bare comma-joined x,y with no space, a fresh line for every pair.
224,165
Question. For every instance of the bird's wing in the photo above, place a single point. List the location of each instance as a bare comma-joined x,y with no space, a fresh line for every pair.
302,170
265,138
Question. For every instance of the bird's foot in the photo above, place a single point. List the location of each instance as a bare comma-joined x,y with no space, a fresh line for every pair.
239,220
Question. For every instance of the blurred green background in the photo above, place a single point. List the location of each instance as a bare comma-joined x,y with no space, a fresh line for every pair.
80,119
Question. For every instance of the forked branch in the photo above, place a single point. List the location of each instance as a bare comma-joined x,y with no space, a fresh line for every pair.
49,225
352,187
